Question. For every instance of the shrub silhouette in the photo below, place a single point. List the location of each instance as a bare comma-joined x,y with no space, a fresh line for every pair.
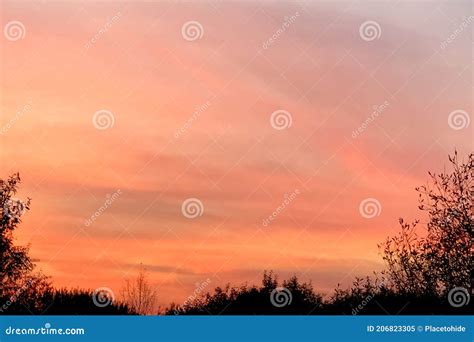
14,260
365,297
443,259
17,280
21,290
254,300
138,294
79,302
421,271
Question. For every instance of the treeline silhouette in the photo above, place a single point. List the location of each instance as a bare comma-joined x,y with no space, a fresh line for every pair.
364,297
51,301
428,273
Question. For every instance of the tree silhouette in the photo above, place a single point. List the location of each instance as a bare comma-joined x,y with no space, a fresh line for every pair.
293,297
14,260
21,290
139,295
422,269
79,302
16,278
443,259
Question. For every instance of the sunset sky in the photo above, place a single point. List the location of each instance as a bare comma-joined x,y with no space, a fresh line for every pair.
190,116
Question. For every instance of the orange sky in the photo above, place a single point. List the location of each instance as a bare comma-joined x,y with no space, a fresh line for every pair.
131,59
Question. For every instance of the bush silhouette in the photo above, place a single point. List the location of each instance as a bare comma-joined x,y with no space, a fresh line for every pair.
443,259
364,297
21,290
80,302
15,263
255,300
138,294
422,269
